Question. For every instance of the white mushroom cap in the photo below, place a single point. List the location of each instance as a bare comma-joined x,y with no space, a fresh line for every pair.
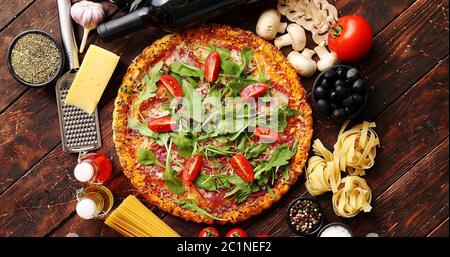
327,59
296,37
303,63
269,24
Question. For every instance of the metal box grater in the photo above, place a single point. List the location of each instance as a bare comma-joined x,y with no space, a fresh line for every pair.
80,132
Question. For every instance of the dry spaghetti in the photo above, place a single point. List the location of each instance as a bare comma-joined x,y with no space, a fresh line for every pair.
133,219
353,196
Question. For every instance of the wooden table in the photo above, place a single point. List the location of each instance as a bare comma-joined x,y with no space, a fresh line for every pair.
408,73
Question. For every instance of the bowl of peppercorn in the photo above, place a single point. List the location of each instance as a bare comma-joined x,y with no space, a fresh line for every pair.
305,216
35,58
339,92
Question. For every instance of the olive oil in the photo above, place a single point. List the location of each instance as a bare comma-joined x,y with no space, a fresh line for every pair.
94,201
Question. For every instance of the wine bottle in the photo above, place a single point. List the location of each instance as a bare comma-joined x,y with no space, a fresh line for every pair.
170,15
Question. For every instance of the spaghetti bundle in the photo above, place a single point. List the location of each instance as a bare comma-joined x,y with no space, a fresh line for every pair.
353,196
133,219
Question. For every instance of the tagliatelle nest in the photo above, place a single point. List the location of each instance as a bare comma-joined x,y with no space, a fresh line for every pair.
354,152
353,196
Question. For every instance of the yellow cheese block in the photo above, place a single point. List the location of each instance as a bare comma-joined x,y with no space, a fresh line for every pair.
90,82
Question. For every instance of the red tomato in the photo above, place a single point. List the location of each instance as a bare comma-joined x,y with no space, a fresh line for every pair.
212,66
236,232
266,134
351,38
263,235
163,124
209,232
242,167
253,91
192,168
172,85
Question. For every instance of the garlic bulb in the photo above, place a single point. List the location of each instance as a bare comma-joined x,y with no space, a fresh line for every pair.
88,14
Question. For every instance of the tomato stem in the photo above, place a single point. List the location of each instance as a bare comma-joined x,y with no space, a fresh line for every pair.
335,30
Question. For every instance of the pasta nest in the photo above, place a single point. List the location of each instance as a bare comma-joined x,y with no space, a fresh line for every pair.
354,152
353,196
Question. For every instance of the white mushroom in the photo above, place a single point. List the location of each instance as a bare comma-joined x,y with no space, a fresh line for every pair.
313,15
296,37
303,62
319,37
282,7
269,24
327,59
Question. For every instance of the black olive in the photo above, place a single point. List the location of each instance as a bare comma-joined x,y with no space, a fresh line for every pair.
358,99
341,92
353,74
333,106
340,83
338,114
330,75
333,96
323,106
348,102
341,72
359,86
349,110
325,84
321,93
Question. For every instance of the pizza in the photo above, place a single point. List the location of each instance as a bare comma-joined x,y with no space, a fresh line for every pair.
212,124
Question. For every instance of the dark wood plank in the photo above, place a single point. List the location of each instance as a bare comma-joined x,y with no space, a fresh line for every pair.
346,6
421,129
31,18
31,129
441,230
181,225
416,203
52,198
122,47
11,9
327,131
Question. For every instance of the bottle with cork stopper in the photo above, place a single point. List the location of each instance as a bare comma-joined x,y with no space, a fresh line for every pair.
95,201
93,168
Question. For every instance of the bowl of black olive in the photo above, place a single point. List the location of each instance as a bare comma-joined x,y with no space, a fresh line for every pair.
339,92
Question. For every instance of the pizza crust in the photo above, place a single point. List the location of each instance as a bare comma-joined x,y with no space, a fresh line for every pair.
274,65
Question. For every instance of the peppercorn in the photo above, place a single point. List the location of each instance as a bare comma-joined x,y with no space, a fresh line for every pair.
305,216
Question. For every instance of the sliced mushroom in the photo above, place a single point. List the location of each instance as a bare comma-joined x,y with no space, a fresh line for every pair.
307,23
303,62
327,59
319,37
296,37
292,3
313,15
330,11
269,24
283,9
